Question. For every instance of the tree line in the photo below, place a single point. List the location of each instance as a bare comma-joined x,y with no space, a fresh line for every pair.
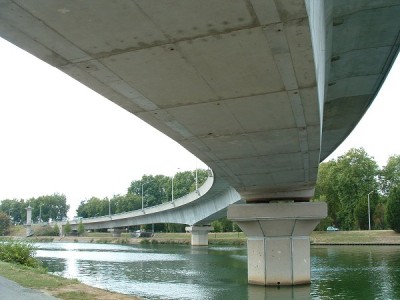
153,190
348,182
44,208
345,184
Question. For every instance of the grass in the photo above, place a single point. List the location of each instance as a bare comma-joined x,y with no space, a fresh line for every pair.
383,237
379,237
71,289
62,288
32,277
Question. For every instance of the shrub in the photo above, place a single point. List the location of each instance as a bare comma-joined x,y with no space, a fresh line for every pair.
18,252
144,241
81,228
67,228
393,209
46,230
5,223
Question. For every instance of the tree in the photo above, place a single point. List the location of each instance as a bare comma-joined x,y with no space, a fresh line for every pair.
223,225
47,207
379,217
15,208
93,207
390,174
325,189
67,228
393,209
355,178
158,189
345,184
5,223
56,230
81,228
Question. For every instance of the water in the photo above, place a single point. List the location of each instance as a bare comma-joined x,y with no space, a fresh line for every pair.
184,272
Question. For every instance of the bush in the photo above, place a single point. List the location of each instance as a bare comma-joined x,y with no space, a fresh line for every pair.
324,223
19,253
393,209
81,228
5,223
67,228
46,230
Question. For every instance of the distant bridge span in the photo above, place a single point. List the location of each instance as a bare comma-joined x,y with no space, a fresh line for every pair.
200,207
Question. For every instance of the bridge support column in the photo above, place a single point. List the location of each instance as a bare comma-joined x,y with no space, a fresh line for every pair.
199,234
116,232
278,244
28,226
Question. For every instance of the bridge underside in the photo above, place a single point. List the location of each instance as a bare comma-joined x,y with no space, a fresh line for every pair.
234,82
259,90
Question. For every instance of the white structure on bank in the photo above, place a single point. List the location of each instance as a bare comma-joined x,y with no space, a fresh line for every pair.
28,225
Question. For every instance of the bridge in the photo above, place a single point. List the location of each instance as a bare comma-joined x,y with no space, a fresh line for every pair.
259,90
199,208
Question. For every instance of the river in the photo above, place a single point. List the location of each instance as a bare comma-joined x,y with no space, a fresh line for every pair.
220,272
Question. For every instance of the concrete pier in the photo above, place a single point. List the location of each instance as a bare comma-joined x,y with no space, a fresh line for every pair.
278,240
29,231
199,234
116,232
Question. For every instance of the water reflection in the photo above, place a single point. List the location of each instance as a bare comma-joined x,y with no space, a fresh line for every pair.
184,272
283,292
356,272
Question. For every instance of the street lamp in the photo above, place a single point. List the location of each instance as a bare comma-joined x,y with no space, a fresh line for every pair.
40,213
142,197
172,190
109,208
197,182
369,212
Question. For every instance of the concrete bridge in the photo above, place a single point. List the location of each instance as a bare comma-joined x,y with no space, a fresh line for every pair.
198,209
259,90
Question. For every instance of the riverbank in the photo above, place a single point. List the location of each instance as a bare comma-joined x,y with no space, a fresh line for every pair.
73,290
59,287
362,237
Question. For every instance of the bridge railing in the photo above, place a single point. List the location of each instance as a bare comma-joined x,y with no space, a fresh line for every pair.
188,198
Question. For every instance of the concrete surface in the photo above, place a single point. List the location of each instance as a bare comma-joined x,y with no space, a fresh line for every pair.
9,290
260,91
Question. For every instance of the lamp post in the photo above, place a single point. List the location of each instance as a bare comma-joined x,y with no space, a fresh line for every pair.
172,190
40,213
109,208
369,212
197,182
142,197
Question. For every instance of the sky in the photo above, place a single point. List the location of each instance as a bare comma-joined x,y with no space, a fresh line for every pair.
58,136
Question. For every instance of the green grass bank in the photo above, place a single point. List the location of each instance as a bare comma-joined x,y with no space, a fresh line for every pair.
362,237
70,289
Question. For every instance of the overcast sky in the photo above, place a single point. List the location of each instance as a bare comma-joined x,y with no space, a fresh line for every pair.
57,136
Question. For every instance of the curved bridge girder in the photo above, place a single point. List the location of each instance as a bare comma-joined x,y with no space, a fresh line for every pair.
200,207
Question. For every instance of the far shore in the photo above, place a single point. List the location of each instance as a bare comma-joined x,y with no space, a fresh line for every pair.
361,237
68,289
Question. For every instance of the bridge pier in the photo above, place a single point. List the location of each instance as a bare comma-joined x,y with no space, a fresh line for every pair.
199,234
116,232
278,242
28,225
